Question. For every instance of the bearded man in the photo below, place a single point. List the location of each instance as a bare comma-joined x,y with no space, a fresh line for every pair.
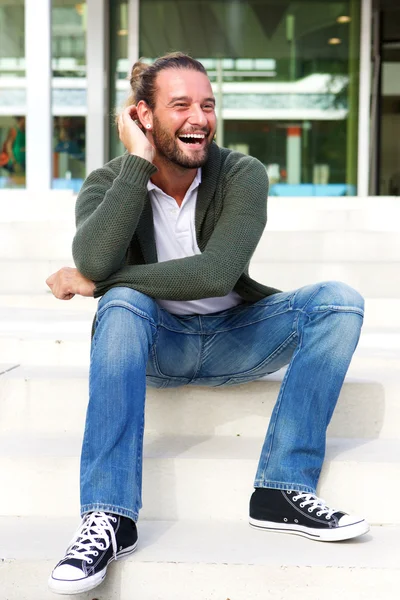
165,234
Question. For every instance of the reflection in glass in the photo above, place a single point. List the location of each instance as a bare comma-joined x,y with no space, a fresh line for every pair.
12,94
12,152
69,153
68,38
69,93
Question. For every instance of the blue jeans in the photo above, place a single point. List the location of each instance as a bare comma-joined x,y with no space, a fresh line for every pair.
314,330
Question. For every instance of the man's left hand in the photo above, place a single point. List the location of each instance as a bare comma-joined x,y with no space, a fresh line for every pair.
67,282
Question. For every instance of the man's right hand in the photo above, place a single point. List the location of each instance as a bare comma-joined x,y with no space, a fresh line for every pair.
132,136
67,282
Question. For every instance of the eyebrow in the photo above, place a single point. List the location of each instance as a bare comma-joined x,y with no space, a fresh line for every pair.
188,99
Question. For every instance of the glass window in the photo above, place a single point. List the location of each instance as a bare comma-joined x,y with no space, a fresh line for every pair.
12,94
68,38
288,73
387,141
69,93
69,152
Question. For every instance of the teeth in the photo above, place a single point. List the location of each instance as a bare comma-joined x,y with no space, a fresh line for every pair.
200,136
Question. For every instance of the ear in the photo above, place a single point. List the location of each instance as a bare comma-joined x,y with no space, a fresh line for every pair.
144,114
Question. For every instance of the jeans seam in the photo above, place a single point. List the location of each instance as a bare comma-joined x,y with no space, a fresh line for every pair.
280,397
264,362
201,351
105,507
127,306
337,308
316,291
284,485
201,332
139,462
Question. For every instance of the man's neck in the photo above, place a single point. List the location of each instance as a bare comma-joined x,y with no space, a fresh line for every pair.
173,179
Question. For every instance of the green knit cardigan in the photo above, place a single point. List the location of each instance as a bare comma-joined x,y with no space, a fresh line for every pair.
114,243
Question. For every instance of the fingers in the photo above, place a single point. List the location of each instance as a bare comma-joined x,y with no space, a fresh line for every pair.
128,114
60,283
131,110
50,280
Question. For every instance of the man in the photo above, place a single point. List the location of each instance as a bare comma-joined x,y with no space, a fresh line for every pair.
164,236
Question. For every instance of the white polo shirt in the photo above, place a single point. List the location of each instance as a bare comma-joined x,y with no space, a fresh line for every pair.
175,237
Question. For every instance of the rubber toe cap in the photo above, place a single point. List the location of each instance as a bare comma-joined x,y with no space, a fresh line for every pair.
67,573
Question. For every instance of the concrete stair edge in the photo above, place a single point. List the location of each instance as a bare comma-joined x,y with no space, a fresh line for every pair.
186,475
207,561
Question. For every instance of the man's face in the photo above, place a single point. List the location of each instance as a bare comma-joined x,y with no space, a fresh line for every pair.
184,121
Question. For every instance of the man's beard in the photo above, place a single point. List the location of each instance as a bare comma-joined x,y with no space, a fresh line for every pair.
167,146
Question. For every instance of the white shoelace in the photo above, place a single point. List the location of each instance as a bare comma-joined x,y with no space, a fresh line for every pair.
314,503
92,537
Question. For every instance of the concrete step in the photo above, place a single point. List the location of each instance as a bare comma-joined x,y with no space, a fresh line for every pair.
36,400
46,301
41,240
210,477
25,276
372,280
21,206
338,214
207,561
44,240
62,337
380,313
327,246
284,214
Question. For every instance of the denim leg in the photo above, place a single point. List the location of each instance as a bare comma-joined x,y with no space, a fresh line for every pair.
112,451
328,322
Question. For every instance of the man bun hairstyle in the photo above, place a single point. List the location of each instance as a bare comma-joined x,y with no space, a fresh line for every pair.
143,76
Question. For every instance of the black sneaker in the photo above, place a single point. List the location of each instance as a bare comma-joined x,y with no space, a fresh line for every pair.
302,514
101,538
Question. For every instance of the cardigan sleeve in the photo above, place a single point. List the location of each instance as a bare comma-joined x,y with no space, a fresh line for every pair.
107,211
215,271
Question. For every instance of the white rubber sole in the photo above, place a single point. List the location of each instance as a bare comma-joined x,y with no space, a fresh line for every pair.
61,586
338,534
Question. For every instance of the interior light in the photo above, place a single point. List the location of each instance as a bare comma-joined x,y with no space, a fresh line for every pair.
334,41
343,19
123,32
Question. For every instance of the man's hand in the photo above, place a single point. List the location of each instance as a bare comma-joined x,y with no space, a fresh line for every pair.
67,282
132,136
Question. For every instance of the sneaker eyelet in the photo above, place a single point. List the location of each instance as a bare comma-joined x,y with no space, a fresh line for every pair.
285,519
90,561
95,553
296,521
289,492
302,504
114,520
328,518
319,514
310,510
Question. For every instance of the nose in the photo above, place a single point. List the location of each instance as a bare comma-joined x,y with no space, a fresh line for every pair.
197,116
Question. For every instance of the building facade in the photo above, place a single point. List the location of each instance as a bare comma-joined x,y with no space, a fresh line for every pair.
309,87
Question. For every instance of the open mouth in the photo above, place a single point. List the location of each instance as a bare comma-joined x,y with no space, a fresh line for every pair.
193,139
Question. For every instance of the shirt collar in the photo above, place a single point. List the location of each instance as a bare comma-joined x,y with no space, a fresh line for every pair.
195,183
